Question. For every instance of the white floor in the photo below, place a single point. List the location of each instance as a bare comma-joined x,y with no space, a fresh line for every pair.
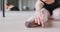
15,22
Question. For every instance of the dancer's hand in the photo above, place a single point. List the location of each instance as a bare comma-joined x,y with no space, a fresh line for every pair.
39,18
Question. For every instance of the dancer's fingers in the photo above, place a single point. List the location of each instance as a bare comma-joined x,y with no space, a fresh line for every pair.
35,19
42,23
38,20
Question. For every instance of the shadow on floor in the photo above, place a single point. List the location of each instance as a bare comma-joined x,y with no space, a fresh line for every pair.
48,24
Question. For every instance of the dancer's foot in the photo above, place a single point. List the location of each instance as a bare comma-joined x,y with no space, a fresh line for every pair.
31,24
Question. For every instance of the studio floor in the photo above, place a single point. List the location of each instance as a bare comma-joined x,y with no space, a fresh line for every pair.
15,22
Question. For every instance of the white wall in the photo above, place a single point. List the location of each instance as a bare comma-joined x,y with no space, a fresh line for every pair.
20,5
31,4
28,3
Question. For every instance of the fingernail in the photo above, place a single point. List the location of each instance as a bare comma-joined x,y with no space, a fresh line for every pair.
38,23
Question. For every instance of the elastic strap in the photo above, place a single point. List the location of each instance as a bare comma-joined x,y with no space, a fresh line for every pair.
43,2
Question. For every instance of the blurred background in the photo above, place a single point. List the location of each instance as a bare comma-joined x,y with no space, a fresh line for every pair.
14,13
20,5
16,5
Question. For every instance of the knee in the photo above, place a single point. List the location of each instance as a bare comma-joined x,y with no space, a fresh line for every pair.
56,12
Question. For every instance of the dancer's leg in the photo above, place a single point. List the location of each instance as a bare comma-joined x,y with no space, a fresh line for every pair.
31,23
56,14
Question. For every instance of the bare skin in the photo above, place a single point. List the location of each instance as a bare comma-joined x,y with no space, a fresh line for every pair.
42,14
39,15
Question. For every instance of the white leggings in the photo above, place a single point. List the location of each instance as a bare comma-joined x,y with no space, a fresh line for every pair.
56,14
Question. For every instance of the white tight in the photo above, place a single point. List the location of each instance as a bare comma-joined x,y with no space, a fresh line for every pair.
46,14
56,14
